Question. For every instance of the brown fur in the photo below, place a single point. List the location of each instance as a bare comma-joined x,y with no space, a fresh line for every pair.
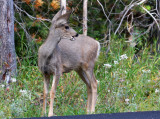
58,55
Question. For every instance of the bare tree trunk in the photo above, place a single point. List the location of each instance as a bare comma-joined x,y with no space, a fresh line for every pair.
63,4
158,31
7,47
85,17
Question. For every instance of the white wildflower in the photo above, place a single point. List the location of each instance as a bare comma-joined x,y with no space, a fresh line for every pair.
26,93
149,80
107,65
2,85
109,91
13,79
149,71
127,82
106,72
122,57
116,62
2,115
23,91
125,71
127,101
17,107
156,91
146,71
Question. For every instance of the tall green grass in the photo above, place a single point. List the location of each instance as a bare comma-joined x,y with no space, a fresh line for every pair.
132,84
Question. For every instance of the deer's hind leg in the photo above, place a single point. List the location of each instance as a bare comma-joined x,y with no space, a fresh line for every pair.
83,76
93,83
45,93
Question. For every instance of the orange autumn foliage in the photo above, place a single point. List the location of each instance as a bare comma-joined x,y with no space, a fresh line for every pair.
55,4
40,17
38,3
37,40
27,1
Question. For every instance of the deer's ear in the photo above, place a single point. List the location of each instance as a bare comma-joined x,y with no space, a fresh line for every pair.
57,15
64,18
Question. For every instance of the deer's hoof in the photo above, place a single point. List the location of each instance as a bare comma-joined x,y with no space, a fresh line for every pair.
50,114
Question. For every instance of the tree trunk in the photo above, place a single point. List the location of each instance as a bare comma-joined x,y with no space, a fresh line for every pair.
158,31
63,4
7,47
85,17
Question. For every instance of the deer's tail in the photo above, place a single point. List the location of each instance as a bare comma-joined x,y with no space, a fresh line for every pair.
98,50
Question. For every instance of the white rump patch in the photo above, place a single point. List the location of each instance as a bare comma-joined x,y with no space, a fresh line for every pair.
98,51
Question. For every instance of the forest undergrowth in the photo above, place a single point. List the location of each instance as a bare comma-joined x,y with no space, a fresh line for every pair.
128,82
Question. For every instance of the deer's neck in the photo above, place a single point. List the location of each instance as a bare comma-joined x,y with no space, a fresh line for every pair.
51,43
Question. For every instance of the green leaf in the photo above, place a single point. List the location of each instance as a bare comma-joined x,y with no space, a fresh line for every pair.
148,7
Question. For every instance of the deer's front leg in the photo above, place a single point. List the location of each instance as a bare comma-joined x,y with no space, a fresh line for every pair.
52,93
45,93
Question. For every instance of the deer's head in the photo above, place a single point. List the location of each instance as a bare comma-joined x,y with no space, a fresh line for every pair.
61,26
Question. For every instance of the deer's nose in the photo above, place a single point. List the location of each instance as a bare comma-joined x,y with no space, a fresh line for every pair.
76,35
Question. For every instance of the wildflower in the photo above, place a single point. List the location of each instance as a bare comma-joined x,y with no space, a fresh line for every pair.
156,91
2,85
127,101
17,107
2,114
106,72
121,80
122,57
26,93
23,91
13,79
107,65
125,71
146,71
116,62
109,91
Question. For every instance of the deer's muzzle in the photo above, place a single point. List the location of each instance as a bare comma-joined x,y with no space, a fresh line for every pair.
73,37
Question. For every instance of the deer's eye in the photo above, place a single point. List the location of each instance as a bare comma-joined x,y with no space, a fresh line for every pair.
66,27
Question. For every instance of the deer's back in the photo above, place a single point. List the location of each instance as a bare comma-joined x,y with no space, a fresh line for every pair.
80,53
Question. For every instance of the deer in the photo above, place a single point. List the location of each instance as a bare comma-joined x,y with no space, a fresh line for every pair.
65,50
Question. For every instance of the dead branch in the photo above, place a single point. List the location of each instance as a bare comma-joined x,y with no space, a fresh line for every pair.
129,7
103,10
151,16
30,16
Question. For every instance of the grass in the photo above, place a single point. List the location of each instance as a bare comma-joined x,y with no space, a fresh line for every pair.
131,85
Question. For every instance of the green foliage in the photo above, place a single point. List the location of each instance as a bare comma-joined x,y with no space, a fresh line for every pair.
98,26
131,84
148,7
